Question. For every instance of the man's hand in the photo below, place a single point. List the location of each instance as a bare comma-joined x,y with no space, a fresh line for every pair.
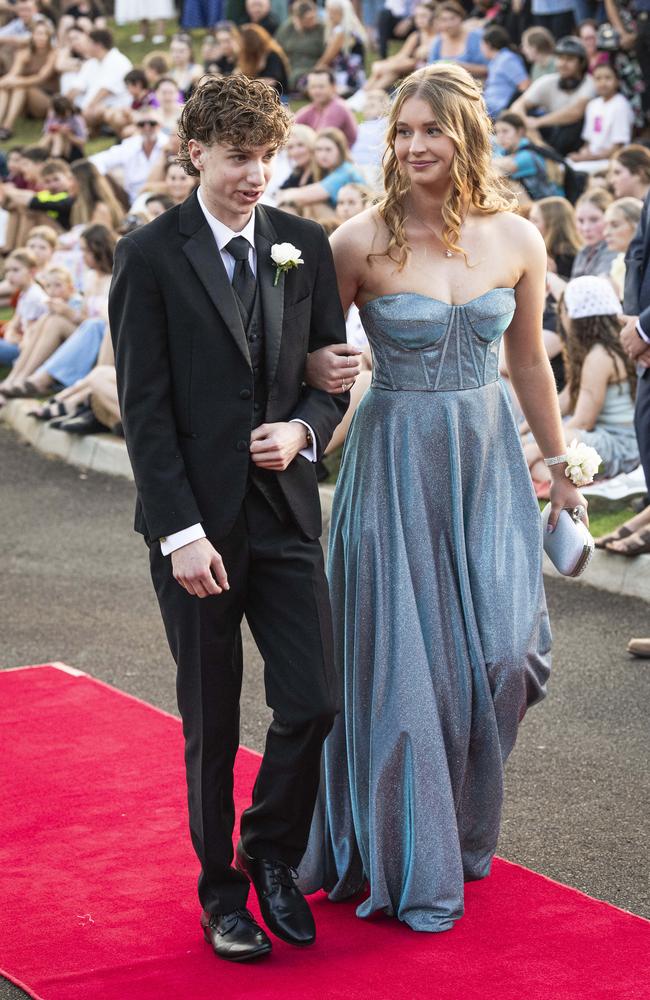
274,446
333,369
644,359
199,568
633,344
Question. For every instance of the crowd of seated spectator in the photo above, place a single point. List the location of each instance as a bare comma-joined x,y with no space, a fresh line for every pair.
567,97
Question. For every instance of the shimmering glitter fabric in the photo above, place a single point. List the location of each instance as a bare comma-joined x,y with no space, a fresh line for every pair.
440,620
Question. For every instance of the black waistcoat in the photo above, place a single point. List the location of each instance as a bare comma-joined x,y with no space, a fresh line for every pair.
265,480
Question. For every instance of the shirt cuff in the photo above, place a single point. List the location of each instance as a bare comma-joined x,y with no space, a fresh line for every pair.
310,452
180,538
643,335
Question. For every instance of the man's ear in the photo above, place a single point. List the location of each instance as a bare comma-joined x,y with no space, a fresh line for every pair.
196,152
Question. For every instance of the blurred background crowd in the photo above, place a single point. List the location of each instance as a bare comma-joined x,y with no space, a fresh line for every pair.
91,93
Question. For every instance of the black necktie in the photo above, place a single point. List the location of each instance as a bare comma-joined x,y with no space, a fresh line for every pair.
243,280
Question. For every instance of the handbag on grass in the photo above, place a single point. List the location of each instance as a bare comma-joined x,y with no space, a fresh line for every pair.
570,547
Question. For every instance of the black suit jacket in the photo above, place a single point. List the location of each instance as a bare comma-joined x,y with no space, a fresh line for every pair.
636,299
185,382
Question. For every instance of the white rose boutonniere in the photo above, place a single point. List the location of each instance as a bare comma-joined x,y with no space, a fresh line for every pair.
285,256
583,463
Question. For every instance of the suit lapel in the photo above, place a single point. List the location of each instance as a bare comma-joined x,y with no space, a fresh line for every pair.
272,295
202,253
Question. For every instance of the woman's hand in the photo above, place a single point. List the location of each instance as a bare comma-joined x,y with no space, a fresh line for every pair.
555,285
57,306
333,369
564,495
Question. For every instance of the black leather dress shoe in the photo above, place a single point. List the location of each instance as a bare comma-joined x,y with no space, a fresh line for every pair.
235,936
284,908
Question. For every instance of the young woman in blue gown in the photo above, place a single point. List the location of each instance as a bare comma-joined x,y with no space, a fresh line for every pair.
435,552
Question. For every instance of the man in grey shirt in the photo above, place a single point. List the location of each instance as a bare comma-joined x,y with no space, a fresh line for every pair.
559,99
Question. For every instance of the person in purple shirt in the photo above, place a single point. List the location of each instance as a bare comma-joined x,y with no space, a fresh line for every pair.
506,76
327,110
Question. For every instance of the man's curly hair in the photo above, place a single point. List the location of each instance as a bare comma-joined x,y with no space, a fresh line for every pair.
232,110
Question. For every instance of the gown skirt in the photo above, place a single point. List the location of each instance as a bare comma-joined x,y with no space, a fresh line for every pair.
441,630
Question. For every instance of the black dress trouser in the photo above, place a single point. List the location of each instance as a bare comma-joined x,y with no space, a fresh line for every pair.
642,52
642,423
277,580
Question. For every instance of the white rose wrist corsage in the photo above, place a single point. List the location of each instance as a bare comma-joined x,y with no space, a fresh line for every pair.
582,463
285,256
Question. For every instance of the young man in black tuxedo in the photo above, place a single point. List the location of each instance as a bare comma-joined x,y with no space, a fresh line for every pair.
211,340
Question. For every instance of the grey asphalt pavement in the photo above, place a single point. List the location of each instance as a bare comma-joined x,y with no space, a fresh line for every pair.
75,587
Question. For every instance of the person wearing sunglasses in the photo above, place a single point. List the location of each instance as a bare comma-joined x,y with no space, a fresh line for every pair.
130,162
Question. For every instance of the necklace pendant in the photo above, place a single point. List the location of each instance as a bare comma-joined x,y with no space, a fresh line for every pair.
448,253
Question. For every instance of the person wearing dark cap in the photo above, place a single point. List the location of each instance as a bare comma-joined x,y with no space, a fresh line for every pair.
553,107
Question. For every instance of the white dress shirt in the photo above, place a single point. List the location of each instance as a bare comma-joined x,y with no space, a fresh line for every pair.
131,160
108,74
223,235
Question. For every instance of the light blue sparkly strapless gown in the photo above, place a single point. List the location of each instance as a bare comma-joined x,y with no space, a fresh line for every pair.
440,620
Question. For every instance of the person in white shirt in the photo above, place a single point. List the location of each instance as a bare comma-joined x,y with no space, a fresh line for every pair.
134,158
16,33
609,119
103,76
20,273
71,58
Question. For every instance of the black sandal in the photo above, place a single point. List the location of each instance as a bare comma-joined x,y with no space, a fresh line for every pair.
613,536
48,411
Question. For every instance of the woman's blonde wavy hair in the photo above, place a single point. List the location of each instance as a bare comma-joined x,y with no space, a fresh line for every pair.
457,105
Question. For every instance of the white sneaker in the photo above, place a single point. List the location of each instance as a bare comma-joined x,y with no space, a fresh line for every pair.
159,39
137,39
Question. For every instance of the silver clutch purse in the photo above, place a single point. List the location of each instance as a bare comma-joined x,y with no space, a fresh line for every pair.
570,546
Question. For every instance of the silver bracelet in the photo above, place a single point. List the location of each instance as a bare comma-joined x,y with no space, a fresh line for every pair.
556,460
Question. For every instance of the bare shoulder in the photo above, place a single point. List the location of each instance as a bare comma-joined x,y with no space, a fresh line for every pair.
352,242
361,232
598,361
523,244
513,227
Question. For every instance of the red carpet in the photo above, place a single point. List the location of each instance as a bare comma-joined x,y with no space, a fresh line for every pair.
98,885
